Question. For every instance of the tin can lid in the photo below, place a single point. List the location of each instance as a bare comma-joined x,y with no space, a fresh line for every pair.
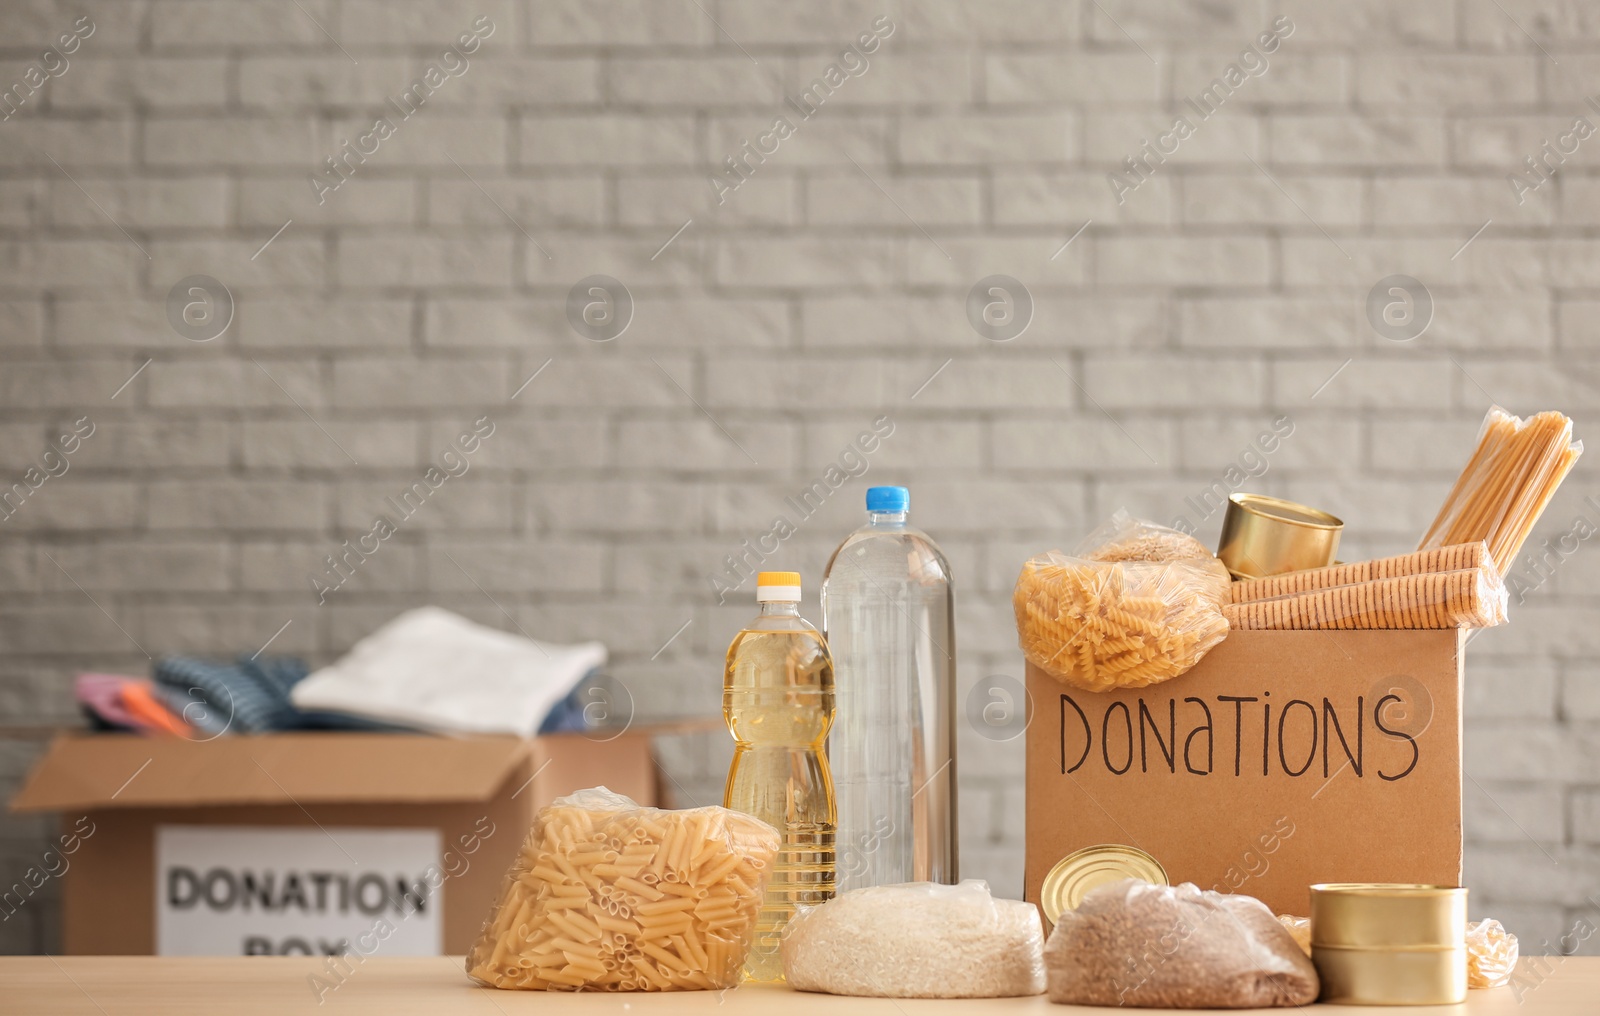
1372,916
1286,511
1387,890
1264,536
1082,870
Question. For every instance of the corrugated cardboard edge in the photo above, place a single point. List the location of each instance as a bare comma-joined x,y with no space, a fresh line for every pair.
128,771
81,771
112,872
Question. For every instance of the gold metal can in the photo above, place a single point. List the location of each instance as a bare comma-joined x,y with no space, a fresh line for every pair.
1389,944
1082,870
1264,536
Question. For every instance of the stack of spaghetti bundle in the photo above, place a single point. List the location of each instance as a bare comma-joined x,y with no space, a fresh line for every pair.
1511,477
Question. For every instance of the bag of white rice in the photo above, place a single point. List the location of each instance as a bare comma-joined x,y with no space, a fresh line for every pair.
918,940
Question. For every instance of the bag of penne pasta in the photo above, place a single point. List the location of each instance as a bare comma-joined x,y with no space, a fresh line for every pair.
610,896
1136,604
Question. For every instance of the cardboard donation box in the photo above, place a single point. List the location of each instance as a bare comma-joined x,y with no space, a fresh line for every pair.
1284,758
304,843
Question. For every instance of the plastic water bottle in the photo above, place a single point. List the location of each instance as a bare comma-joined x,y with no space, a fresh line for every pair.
777,699
887,611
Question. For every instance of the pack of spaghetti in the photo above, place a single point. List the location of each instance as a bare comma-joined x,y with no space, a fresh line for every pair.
609,896
1137,604
1503,489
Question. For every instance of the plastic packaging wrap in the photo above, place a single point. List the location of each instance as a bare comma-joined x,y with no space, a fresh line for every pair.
1137,604
1131,943
1445,587
918,940
1512,475
1300,929
608,896
1125,538
1464,598
1491,954
1440,559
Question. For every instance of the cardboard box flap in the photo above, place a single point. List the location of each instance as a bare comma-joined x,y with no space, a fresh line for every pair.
126,771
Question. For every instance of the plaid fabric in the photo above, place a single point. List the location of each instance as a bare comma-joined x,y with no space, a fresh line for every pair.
194,710
247,696
568,714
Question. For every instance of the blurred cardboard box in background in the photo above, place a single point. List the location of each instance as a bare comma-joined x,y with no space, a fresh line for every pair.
304,842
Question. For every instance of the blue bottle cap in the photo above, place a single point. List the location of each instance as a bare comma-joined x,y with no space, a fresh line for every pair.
888,499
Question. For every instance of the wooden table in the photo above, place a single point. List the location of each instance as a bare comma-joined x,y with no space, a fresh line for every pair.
151,986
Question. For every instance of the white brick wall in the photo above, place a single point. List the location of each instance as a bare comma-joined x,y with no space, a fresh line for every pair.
1225,291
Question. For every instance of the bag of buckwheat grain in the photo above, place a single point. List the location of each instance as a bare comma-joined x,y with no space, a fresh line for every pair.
1131,943
917,940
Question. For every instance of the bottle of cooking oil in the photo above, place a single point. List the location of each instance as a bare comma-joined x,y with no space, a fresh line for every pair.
777,699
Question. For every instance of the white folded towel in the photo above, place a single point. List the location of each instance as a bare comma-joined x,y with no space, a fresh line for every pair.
431,669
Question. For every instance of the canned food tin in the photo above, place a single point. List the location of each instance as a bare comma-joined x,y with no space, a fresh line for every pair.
1264,536
1389,944
1082,870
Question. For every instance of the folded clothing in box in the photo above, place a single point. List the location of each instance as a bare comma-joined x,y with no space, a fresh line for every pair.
249,695
434,670
118,702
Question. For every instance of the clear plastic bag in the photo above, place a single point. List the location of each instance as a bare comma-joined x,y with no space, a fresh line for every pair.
1125,538
1491,954
609,896
1131,943
917,940
1464,598
1300,929
1135,605
1456,557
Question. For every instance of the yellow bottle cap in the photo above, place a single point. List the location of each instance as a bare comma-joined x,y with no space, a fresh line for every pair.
778,585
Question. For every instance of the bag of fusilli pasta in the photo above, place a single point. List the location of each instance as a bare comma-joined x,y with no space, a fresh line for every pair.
1136,604
609,896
